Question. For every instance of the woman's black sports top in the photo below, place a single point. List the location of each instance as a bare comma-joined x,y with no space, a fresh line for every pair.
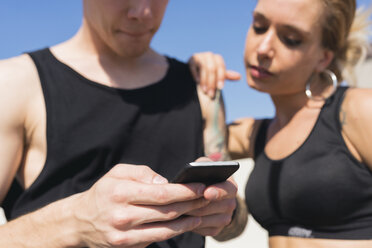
319,191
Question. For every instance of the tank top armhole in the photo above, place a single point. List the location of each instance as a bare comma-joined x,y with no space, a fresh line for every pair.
36,57
260,139
339,127
338,109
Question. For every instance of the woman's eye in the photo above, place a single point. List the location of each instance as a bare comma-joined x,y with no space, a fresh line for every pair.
291,42
259,30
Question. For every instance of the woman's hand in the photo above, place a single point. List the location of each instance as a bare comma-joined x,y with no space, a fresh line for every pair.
208,69
218,213
222,203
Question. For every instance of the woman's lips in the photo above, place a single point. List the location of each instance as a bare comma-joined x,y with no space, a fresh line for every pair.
259,72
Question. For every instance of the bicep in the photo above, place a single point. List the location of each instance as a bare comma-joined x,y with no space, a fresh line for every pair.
11,147
356,121
13,99
11,140
241,137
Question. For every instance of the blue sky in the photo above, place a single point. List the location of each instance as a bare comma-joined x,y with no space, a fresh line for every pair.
189,26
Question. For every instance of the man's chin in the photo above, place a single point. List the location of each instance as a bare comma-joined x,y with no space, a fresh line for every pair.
131,53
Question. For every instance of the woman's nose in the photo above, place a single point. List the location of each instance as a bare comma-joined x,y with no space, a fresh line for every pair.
265,48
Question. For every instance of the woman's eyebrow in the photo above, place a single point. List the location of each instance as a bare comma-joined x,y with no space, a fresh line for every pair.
296,30
259,15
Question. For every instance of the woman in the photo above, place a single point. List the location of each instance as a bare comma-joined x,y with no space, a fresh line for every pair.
312,181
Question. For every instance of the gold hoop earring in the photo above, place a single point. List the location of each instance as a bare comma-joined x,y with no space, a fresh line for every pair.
334,80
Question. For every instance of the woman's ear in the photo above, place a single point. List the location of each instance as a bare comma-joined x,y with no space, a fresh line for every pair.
325,60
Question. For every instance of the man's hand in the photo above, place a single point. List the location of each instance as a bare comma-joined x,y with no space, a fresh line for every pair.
132,206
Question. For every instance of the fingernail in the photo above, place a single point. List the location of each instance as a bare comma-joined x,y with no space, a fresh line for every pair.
215,156
159,180
196,221
211,93
233,73
214,194
205,89
220,84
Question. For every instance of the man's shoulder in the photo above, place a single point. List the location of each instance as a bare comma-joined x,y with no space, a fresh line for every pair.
181,71
19,80
175,60
17,70
178,64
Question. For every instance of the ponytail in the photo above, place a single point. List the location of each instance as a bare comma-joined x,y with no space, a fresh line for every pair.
345,32
357,45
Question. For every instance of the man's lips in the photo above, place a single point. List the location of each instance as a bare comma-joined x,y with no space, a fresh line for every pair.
259,72
133,34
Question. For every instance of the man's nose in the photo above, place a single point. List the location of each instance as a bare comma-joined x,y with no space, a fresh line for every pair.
140,9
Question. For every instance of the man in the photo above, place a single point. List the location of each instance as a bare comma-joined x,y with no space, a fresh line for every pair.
78,118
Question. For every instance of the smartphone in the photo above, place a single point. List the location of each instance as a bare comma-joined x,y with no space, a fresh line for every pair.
206,172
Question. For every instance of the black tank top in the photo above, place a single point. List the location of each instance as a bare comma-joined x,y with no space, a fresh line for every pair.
92,127
319,191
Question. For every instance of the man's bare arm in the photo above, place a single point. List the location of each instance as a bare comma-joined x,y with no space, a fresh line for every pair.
13,104
17,87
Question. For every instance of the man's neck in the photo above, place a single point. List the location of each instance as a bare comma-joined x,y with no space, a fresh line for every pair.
99,63
90,44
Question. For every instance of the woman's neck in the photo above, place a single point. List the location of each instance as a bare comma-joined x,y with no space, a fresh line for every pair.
289,106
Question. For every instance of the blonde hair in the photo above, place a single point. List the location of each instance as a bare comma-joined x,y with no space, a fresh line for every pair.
345,32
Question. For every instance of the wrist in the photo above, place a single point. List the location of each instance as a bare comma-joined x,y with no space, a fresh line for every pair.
72,211
237,224
50,226
58,224
72,226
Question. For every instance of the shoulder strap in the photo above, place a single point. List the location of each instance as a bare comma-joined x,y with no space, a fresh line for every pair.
331,109
260,141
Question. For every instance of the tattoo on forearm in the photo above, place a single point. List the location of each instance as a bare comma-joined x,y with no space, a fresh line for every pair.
216,143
